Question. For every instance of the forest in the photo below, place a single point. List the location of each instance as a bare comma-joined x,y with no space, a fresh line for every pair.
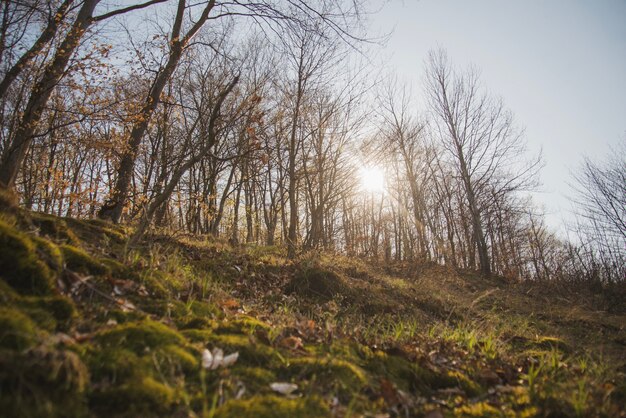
200,155
191,122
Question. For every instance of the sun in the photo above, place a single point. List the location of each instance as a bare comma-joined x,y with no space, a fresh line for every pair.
372,179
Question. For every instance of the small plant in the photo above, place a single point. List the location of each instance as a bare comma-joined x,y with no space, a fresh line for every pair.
188,305
579,399
583,364
532,377
488,347
553,361
470,339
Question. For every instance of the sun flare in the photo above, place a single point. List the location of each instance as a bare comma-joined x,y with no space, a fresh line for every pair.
372,179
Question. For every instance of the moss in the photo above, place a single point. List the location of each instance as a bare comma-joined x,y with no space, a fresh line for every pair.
154,282
140,336
112,234
7,293
255,378
198,335
274,407
162,308
59,308
480,409
143,397
113,365
78,260
17,331
20,265
118,269
242,325
122,317
428,380
178,310
50,253
319,284
401,371
347,350
197,323
179,358
44,319
470,387
414,378
204,309
54,227
326,371
43,382
96,230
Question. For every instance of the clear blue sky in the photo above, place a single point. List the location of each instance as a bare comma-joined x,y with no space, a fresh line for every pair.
560,66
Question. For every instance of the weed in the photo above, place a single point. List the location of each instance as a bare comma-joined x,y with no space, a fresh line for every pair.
579,398
532,377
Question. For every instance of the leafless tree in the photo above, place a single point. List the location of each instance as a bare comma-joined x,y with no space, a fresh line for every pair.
478,134
601,210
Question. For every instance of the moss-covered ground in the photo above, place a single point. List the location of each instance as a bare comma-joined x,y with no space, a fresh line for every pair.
91,327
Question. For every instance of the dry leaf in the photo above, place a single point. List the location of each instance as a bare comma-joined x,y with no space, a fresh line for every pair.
292,343
434,414
207,359
230,359
389,393
216,359
230,304
284,388
125,305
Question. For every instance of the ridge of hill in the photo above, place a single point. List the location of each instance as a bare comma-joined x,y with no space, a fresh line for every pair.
91,327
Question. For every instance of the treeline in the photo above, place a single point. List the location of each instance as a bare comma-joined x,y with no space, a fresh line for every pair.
253,120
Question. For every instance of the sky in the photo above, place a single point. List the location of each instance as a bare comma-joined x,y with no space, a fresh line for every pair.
559,65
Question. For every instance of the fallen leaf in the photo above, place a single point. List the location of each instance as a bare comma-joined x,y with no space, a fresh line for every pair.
435,413
142,291
207,359
284,388
216,359
389,393
230,304
61,338
451,392
125,305
292,343
230,359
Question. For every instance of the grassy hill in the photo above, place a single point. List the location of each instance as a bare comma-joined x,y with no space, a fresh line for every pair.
90,327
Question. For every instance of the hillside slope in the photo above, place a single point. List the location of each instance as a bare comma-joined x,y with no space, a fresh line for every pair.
90,327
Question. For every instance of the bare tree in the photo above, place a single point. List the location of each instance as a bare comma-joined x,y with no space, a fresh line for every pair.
478,134
601,209
404,138
308,52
